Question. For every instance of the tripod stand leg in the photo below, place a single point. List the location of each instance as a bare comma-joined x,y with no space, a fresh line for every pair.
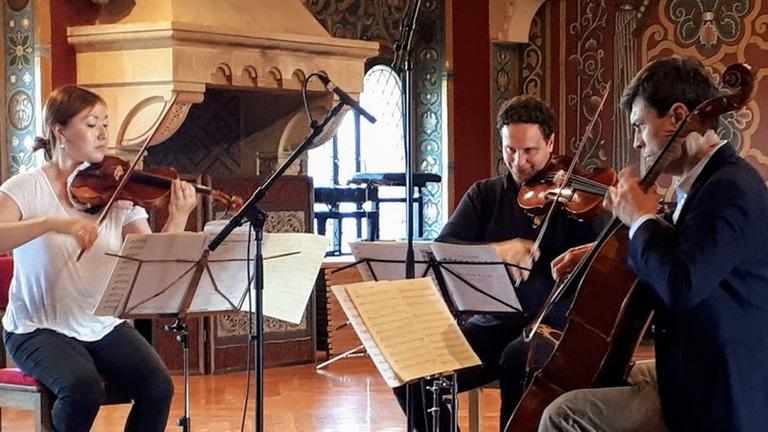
434,411
445,389
351,353
455,403
182,335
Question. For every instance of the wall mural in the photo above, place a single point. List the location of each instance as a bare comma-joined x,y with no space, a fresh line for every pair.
429,71
380,20
518,69
610,41
534,55
587,77
719,33
505,84
628,18
707,23
208,141
360,19
20,93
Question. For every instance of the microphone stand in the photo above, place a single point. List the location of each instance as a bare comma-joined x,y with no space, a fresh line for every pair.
403,66
250,212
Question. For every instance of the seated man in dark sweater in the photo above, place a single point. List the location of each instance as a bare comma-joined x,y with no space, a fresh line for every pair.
489,214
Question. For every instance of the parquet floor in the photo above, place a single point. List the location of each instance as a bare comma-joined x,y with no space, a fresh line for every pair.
348,396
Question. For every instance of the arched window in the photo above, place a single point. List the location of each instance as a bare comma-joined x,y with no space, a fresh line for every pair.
360,146
382,142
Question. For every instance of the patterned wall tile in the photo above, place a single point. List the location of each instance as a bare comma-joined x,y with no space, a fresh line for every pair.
429,72
20,86
505,84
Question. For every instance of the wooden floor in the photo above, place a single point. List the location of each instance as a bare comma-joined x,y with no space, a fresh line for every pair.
348,396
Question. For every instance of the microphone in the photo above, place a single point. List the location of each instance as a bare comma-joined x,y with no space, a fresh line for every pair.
345,98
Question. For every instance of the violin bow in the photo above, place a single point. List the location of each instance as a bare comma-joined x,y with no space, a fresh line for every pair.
124,179
568,175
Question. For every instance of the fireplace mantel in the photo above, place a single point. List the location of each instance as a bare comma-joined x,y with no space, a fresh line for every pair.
136,61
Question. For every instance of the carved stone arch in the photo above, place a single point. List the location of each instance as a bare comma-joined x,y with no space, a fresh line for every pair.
510,20
297,79
249,76
222,75
273,79
315,84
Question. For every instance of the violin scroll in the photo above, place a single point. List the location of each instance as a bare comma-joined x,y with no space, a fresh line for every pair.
233,203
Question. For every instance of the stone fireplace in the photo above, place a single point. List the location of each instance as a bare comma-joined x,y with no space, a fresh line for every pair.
236,68
140,52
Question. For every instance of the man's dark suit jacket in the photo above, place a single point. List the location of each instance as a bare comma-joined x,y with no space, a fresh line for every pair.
709,275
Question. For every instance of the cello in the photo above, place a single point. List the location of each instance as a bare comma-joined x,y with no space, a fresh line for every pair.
611,310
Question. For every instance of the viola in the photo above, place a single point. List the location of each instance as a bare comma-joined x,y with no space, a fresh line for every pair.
94,186
581,196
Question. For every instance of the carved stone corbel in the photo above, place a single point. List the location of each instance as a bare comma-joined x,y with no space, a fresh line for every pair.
138,122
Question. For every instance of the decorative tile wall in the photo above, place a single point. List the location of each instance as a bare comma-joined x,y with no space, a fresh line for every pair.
20,85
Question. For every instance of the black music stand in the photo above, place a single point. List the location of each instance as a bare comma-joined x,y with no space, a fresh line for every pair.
383,320
370,266
168,287
456,280
457,269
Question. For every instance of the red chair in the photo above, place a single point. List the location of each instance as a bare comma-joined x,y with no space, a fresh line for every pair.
19,390
6,273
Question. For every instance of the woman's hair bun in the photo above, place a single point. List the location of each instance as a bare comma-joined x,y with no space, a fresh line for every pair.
45,145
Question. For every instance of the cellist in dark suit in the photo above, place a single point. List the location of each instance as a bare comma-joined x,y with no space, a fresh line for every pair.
708,272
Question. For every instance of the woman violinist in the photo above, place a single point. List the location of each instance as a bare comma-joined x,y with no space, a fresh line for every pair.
50,330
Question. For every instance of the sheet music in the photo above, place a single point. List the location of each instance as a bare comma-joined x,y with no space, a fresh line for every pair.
290,280
493,279
155,272
157,279
365,337
225,287
391,251
412,327
121,281
291,264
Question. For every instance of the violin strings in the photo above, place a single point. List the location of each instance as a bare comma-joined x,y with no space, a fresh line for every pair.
584,184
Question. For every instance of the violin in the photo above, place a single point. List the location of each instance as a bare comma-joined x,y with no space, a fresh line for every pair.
93,186
582,196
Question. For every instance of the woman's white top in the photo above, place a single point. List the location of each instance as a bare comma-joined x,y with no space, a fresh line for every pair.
49,288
